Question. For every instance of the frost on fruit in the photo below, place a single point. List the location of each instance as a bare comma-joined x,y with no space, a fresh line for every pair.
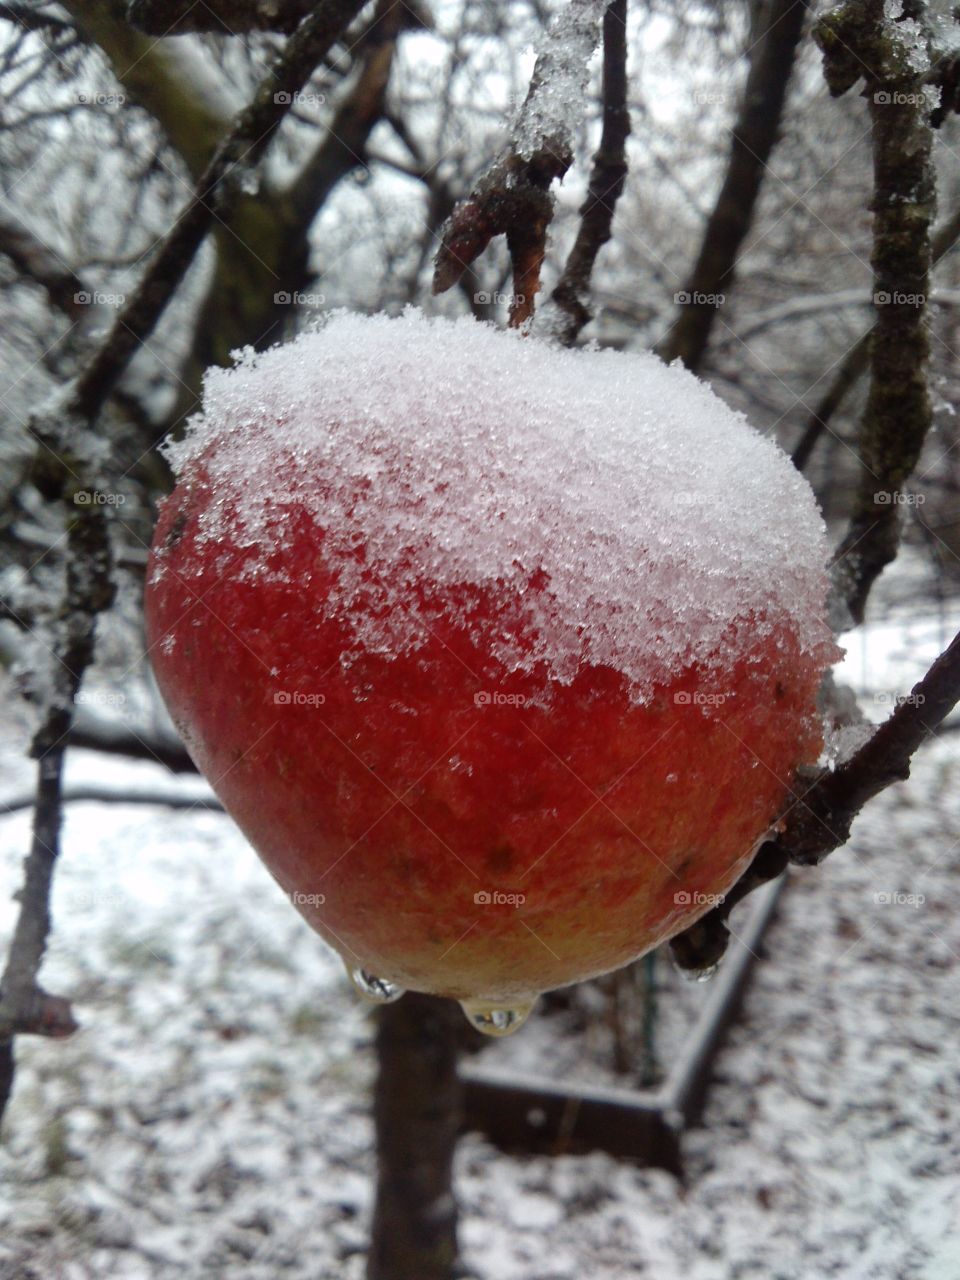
640,522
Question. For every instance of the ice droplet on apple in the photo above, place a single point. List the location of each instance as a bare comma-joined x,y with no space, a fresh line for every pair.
378,990
491,1020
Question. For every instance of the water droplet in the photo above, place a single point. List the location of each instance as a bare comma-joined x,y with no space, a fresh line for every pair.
379,990
700,975
497,1020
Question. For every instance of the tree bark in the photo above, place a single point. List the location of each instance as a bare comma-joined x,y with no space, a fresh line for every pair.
417,1109
754,136
860,40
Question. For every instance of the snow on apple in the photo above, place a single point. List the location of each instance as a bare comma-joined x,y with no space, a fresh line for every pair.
548,627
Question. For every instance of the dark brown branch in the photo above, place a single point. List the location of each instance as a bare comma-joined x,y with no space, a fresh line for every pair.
416,1109
219,17
898,411
819,818
513,198
851,368
36,262
233,17
754,136
88,590
344,147
108,795
607,178
115,740
33,19
857,360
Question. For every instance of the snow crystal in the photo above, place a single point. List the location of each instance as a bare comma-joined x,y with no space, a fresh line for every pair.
908,37
552,111
634,519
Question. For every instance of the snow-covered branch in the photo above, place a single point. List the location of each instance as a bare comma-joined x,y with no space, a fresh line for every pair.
607,178
513,197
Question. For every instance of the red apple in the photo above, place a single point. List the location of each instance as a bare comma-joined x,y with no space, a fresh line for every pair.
502,657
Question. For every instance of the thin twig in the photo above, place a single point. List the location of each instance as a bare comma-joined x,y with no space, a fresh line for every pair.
36,262
108,795
513,197
857,360
607,178
752,141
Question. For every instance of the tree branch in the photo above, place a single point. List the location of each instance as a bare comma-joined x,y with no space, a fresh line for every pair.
36,262
858,40
108,795
513,197
754,136
213,197
607,178
857,360
219,17
170,80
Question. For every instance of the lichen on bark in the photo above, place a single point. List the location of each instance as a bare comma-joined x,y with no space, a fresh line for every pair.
862,40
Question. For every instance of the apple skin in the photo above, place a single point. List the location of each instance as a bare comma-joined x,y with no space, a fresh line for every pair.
385,793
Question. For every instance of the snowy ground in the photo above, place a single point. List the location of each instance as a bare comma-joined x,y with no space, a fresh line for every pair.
211,1118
